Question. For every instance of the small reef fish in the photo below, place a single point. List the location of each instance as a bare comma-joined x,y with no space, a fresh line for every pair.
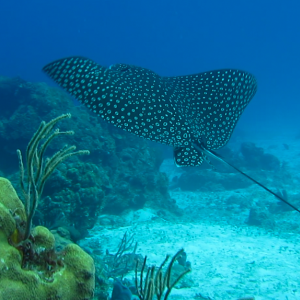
196,114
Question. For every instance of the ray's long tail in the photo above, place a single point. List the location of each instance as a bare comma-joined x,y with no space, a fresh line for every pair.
201,149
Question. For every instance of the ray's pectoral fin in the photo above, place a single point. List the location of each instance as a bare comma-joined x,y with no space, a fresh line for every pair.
187,156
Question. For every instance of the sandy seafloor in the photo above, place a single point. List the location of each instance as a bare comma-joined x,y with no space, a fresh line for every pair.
228,261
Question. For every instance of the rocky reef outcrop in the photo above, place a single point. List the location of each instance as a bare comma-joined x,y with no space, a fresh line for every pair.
121,172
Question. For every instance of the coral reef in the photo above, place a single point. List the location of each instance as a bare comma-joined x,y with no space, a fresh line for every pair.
40,273
157,283
256,158
38,168
258,164
121,172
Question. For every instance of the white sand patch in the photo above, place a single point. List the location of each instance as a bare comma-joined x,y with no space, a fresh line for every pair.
227,262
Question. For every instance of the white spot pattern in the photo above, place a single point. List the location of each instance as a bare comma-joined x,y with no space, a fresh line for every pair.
170,110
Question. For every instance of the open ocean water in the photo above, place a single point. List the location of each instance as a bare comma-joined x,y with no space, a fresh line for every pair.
240,241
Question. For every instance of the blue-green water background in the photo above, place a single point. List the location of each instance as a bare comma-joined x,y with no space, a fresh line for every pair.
171,37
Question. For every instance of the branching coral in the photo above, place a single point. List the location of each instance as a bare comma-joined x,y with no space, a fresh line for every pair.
39,171
157,283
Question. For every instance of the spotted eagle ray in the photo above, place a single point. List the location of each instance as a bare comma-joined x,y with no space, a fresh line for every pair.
196,114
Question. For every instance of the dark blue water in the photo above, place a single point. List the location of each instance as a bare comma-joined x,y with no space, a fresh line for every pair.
171,37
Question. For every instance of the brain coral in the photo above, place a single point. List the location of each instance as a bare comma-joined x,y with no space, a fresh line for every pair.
73,279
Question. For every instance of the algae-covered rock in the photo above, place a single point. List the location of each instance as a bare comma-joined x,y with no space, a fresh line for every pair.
72,278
